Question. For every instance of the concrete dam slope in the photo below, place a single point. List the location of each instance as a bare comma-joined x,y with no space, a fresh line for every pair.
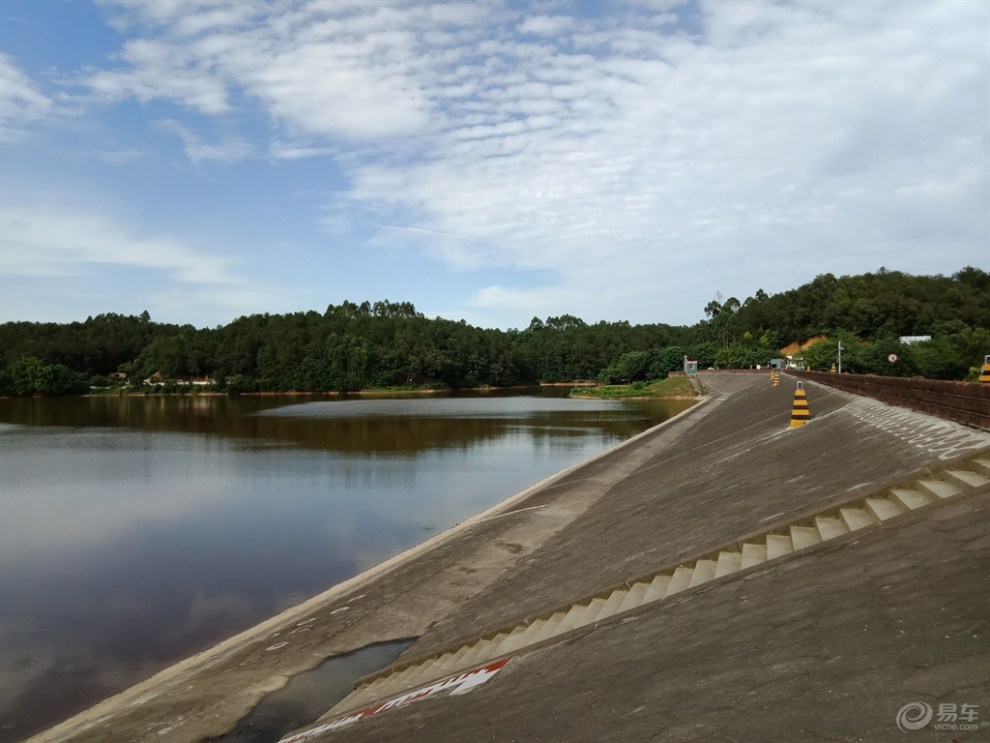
720,577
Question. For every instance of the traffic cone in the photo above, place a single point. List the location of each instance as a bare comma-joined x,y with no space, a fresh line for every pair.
775,378
985,369
800,413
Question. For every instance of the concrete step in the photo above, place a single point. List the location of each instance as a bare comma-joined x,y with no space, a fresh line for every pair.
590,614
680,580
805,536
613,603
427,671
911,499
752,554
534,628
778,545
455,661
375,685
571,619
857,518
728,562
364,694
938,488
885,508
514,641
658,588
480,652
830,528
635,596
385,691
966,479
401,679
980,466
704,571
358,699
397,682
551,628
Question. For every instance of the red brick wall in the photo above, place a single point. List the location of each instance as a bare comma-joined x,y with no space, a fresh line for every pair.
963,402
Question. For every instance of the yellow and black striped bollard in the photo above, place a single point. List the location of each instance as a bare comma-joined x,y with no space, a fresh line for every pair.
985,369
800,413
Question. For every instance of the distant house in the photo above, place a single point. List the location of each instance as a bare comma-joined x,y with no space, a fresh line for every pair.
158,379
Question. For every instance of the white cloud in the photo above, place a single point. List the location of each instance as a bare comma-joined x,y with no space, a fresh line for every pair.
741,144
59,261
40,241
229,150
317,89
740,147
22,103
164,80
330,69
546,25
298,149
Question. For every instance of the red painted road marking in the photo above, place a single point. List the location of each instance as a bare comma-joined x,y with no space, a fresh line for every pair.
460,683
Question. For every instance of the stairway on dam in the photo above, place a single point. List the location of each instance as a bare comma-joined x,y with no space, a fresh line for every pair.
969,476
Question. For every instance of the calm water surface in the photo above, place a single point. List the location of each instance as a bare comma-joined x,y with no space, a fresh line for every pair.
136,531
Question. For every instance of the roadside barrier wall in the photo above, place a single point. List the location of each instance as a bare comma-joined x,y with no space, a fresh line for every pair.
962,402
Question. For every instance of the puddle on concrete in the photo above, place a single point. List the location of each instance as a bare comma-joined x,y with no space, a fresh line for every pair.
308,695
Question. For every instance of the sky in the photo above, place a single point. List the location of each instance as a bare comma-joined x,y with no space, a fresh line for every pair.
486,161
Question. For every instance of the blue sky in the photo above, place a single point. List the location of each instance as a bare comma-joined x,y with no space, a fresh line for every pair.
485,161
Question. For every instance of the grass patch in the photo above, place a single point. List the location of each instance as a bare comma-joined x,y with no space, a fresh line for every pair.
678,387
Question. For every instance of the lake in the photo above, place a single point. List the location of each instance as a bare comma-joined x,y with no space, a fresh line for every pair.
136,531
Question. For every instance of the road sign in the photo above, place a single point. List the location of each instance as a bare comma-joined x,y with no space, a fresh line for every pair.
892,358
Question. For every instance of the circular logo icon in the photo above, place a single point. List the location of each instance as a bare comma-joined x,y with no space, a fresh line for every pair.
914,716
892,358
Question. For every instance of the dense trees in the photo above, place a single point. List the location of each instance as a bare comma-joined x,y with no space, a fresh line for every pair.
28,375
871,303
869,312
352,346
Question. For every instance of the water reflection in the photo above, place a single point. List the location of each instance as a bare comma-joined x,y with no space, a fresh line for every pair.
387,425
135,531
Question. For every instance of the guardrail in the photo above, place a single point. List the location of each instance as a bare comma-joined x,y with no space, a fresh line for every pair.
963,402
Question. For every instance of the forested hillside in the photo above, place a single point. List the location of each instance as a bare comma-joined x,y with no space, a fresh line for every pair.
389,344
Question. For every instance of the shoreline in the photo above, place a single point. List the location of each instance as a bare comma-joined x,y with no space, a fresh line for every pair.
367,392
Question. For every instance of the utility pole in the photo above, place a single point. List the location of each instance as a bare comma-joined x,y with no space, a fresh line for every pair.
840,357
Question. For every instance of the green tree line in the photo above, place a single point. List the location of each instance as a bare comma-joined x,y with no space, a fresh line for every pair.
389,344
